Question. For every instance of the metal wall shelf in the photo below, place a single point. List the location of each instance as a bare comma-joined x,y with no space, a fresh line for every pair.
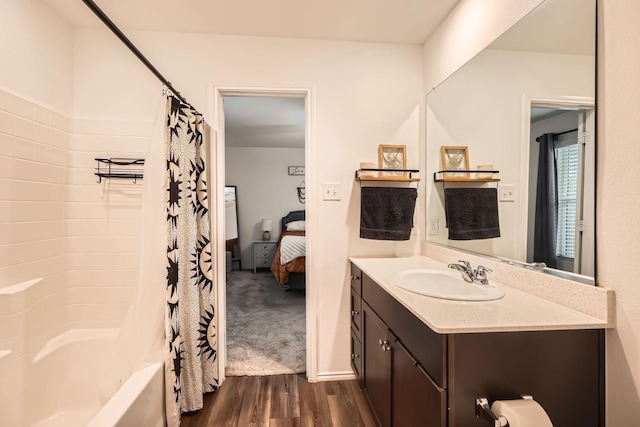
120,168
404,175
471,176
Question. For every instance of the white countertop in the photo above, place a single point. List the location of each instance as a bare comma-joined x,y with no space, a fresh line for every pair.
516,311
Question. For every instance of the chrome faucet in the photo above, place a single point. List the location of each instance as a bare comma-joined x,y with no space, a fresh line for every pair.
479,275
465,269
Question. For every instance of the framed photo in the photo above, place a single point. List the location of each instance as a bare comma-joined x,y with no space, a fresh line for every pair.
455,158
392,157
296,170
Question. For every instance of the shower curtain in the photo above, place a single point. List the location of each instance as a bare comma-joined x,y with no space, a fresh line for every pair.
141,338
191,365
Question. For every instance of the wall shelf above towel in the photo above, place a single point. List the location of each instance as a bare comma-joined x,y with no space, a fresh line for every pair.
120,168
403,175
470,176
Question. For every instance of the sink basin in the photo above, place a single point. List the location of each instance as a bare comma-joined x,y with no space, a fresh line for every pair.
446,285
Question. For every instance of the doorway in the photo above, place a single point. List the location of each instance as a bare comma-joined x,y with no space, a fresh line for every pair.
256,155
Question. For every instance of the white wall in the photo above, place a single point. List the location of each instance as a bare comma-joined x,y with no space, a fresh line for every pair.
363,94
36,54
265,190
618,224
482,107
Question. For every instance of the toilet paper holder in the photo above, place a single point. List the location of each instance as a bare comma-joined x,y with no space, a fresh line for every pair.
483,410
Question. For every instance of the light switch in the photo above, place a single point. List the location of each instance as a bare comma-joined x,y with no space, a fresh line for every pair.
331,191
507,193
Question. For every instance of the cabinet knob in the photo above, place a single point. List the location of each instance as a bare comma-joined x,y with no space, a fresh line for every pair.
355,277
354,356
385,345
354,313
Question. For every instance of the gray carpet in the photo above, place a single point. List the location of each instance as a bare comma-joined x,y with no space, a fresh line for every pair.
265,326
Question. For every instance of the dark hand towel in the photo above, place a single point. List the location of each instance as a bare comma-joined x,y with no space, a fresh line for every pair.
386,213
472,213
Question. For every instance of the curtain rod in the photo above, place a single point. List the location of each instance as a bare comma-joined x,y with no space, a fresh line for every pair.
115,30
566,131
558,133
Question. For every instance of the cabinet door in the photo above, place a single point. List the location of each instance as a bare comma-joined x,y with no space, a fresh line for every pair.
356,279
356,357
417,400
377,365
356,312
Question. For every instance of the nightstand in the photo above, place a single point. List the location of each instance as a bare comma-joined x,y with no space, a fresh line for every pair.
263,254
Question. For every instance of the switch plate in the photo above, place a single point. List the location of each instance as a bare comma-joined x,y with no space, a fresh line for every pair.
433,227
507,193
330,191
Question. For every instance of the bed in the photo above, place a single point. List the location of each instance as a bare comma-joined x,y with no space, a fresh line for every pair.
289,263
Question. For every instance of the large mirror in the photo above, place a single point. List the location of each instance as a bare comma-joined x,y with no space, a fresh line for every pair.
231,230
524,106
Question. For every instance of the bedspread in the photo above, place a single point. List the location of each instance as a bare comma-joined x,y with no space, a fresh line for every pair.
281,271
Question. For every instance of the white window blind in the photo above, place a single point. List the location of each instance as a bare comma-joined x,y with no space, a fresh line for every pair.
567,169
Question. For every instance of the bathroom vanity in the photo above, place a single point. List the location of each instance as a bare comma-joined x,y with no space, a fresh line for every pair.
423,361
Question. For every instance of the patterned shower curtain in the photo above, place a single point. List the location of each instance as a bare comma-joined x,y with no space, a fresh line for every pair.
191,364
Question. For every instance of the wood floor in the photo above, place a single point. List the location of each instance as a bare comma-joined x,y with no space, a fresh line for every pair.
282,401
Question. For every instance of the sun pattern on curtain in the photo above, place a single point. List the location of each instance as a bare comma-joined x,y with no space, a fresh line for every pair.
191,358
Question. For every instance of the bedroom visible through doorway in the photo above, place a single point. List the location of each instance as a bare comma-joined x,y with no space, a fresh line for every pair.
264,160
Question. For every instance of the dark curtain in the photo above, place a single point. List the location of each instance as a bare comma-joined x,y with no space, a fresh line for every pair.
546,223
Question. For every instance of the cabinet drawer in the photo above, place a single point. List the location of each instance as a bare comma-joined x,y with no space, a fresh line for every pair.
356,357
356,313
261,262
426,346
356,279
265,250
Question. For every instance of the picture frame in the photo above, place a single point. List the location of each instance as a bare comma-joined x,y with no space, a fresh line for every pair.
296,170
392,157
455,157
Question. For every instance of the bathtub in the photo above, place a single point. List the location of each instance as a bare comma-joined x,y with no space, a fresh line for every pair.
63,385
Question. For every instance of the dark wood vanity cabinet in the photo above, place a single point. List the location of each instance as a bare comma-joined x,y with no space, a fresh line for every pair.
413,376
399,389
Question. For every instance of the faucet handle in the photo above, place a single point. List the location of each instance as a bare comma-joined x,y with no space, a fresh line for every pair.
482,270
465,263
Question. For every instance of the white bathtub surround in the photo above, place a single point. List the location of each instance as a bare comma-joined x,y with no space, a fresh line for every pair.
60,384
516,311
191,364
142,332
137,403
69,254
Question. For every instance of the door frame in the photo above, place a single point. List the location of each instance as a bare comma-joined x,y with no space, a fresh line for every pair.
217,159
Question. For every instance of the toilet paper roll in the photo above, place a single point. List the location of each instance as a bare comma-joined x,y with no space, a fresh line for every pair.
522,413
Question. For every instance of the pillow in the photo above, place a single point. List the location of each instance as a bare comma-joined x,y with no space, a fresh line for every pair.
296,226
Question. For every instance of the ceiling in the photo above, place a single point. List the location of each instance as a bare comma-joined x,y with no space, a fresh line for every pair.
385,21
556,30
264,121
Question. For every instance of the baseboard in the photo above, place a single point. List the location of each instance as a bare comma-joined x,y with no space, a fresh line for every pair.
336,376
